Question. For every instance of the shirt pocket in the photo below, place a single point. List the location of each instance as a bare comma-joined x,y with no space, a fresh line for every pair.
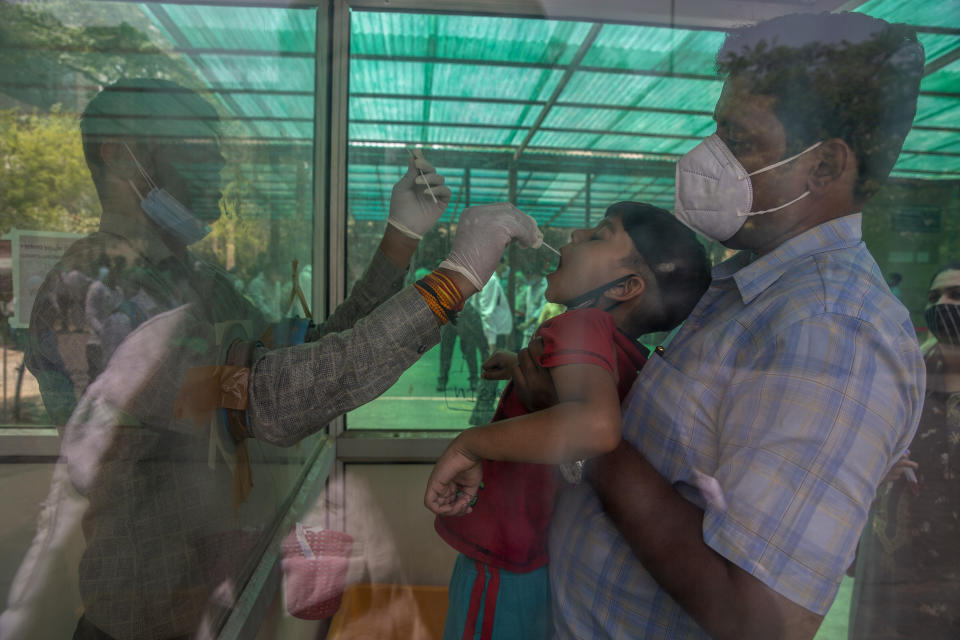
669,416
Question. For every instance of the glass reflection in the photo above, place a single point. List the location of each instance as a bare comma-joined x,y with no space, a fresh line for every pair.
150,200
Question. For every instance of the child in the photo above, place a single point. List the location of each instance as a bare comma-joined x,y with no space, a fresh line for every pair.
639,271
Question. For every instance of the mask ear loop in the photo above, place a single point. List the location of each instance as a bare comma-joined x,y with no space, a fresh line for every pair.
782,162
587,299
143,172
747,214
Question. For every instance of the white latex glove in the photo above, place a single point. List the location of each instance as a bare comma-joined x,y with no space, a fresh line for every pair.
413,211
483,233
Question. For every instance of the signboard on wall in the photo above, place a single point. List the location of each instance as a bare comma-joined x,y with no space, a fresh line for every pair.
33,255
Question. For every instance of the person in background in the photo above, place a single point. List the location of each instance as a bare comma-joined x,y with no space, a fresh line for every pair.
135,306
496,322
754,446
473,347
71,295
494,309
550,310
907,582
266,290
533,300
894,280
103,296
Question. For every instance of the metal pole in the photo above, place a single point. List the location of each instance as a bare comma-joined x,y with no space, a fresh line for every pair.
4,338
586,208
512,256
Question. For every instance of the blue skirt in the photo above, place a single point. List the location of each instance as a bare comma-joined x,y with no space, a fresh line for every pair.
487,603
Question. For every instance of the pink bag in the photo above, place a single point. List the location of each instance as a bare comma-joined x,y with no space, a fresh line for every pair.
314,568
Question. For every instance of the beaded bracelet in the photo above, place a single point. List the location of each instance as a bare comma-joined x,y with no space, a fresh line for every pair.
441,295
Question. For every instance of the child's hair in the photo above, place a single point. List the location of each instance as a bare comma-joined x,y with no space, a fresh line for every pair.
673,257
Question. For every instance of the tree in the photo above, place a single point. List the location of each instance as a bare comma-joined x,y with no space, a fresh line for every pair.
44,182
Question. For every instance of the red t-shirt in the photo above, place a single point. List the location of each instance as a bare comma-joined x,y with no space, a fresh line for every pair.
508,526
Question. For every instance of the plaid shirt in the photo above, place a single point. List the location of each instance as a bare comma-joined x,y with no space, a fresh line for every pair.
796,383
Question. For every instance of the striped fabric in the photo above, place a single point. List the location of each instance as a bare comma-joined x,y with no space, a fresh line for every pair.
796,383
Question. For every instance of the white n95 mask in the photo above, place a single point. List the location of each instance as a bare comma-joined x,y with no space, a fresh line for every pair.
714,194
169,213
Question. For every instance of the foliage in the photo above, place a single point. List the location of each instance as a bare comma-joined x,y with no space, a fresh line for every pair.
83,42
44,182
69,50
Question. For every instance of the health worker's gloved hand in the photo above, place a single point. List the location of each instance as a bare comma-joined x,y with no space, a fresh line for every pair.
413,211
483,232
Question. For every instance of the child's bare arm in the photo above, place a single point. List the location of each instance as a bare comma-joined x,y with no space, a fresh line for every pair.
584,423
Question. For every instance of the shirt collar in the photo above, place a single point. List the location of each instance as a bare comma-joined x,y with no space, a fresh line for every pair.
754,275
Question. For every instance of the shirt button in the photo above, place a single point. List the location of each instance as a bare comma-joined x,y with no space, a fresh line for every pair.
421,348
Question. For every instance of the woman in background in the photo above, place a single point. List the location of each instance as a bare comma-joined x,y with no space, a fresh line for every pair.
908,570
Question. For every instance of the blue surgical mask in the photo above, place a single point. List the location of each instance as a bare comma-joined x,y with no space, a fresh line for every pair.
169,213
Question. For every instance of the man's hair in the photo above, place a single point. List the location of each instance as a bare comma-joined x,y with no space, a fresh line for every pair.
834,75
673,257
144,110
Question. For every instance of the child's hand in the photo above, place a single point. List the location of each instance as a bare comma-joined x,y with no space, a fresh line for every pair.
454,482
499,366
531,382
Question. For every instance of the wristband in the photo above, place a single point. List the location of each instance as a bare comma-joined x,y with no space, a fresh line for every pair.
441,295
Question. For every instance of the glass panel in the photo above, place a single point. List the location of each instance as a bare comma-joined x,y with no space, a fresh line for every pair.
156,165
564,131
444,390
654,48
561,117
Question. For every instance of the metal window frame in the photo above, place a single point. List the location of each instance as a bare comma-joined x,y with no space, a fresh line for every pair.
329,242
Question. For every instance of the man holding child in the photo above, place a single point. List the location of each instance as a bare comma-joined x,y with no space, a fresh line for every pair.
753,448
754,443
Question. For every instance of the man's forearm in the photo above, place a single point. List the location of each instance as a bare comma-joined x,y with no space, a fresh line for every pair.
381,280
295,391
664,530
397,247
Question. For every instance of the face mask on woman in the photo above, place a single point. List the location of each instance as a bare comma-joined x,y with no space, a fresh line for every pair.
714,194
943,320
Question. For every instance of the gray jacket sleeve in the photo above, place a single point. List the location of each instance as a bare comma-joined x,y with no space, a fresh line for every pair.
356,355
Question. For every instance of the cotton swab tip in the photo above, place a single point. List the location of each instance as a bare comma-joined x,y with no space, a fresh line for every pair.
430,190
420,171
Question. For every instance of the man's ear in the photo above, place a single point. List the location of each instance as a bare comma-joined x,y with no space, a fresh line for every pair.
117,159
629,289
833,159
